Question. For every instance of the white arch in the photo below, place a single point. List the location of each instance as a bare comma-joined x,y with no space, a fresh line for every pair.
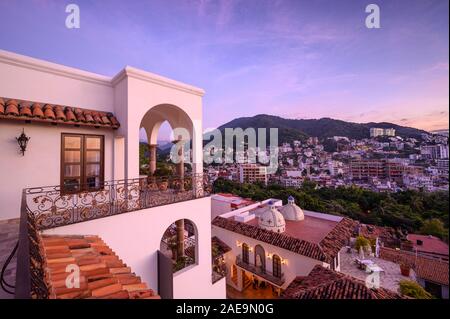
155,116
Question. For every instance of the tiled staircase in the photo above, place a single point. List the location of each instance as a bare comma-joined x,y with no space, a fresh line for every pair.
102,273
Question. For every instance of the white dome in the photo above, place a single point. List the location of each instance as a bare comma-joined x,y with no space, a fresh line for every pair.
271,219
291,211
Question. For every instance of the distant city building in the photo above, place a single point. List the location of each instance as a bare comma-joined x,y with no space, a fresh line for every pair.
434,151
364,169
252,173
376,131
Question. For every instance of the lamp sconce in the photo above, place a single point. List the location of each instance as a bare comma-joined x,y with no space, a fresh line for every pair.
238,243
22,140
250,249
269,255
283,261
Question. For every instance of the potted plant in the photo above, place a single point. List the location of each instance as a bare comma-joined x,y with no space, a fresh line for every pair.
405,269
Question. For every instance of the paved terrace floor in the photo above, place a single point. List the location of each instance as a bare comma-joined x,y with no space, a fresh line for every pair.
9,234
389,279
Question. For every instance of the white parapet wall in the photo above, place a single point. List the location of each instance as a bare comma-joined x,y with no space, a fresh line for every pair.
136,237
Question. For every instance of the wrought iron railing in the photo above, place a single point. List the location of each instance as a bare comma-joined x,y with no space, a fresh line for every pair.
259,271
51,207
30,273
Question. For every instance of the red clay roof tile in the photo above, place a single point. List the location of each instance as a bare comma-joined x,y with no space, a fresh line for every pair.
102,273
429,268
326,250
11,109
323,283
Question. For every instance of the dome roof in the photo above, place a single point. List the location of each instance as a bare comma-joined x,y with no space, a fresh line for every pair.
291,211
271,219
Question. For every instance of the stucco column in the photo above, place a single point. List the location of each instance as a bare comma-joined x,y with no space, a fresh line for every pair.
152,159
180,237
180,164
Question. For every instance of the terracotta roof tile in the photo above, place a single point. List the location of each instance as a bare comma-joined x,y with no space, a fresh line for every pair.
48,112
325,251
37,110
102,273
429,244
431,269
2,106
11,109
323,283
25,110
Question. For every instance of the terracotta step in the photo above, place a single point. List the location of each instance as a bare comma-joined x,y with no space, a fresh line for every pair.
66,260
123,294
102,283
95,272
90,267
135,287
87,260
93,278
60,283
131,279
75,295
54,255
121,270
79,252
57,249
153,297
64,290
138,294
107,290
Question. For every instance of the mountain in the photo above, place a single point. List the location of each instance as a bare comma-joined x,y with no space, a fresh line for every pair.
290,129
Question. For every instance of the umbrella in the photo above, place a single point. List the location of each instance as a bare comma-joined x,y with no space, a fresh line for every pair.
377,248
361,253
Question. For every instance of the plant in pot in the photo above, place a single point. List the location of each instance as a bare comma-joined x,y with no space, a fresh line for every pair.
405,269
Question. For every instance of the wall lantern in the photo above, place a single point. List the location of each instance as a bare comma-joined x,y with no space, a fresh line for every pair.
238,243
23,141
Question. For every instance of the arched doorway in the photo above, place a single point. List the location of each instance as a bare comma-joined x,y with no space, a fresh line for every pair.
260,258
276,266
245,253
180,244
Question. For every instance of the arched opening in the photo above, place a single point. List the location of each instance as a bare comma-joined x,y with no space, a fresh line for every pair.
161,127
260,258
276,266
245,253
179,243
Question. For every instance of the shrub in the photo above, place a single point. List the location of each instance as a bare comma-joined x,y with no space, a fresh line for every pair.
361,241
413,289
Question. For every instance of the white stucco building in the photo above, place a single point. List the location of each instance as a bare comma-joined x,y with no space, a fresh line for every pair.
275,243
84,140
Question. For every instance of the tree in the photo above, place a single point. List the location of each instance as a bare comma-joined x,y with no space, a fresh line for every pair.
433,227
361,242
413,289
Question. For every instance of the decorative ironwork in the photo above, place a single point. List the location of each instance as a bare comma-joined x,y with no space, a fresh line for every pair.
279,281
38,285
22,140
51,207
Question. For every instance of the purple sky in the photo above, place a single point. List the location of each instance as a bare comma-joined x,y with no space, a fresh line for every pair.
296,59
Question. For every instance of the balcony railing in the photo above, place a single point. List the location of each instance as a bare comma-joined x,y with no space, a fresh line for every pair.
279,281
51,207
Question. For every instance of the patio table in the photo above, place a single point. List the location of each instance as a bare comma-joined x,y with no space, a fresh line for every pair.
374,268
